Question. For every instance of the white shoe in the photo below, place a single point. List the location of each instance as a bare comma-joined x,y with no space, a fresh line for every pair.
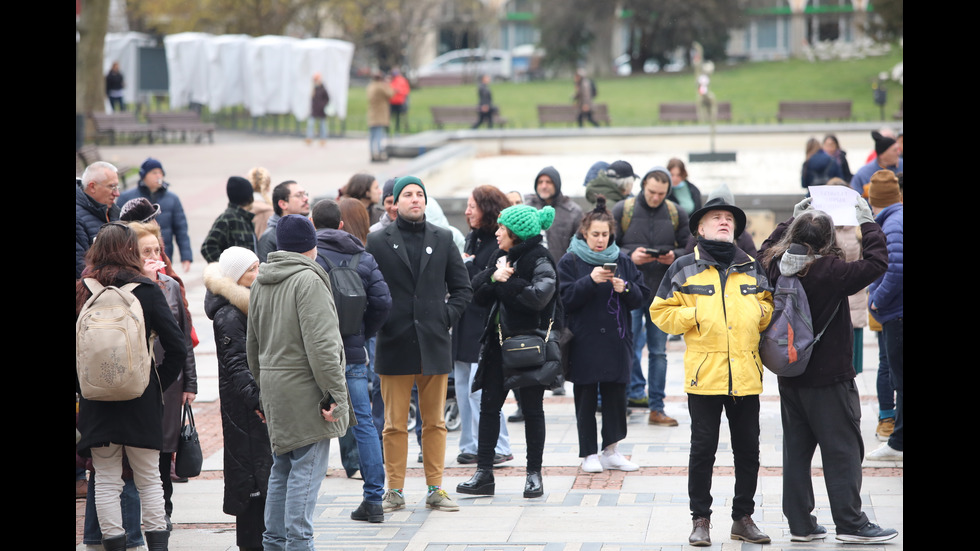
591,464
612,460
885,453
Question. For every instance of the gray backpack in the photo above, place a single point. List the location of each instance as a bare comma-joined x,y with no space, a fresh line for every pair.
113,354
788,342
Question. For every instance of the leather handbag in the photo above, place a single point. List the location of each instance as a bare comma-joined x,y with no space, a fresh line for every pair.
524,351
189,458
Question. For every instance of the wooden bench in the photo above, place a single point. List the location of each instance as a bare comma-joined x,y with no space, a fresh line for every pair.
118,125
182,123
461,114
688,112
814,110
89,154
568,114
898,115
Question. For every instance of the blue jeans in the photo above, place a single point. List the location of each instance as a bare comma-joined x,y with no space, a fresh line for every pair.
376,135
311,125
637,388
368,443
294,483
469,412
129,501
656,343
893,336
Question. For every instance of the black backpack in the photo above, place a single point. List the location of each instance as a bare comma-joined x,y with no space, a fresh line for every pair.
348,294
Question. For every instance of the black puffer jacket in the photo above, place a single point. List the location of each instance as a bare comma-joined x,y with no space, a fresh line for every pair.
89,218
522,305
248,454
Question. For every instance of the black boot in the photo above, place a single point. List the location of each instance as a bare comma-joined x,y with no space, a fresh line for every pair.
480,485
117,543
534,487
371,512
156,540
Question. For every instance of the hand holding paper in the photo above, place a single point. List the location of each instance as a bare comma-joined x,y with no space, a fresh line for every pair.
837,201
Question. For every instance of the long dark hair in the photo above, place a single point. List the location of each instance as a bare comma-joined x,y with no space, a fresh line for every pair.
359,186
490,200
814,230
114,254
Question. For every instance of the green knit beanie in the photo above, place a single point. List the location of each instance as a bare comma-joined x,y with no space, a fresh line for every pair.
525,221
405,181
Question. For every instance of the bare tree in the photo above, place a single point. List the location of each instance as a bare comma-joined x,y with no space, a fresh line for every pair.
570,29
659,27
93,21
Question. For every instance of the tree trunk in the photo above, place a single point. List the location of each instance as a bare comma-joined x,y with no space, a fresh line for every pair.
92,25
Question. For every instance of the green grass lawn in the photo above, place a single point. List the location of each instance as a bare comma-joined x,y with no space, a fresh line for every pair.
754,90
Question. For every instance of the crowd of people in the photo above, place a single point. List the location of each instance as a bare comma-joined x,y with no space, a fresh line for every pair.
645,264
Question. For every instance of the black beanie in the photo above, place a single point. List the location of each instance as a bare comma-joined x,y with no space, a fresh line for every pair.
240,191
882,143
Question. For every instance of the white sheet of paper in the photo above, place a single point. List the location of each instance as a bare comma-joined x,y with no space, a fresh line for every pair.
837,201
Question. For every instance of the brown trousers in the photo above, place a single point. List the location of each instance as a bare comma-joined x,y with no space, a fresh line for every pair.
396,391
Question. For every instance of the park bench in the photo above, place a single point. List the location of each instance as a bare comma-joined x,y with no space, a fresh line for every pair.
461,114
118,125
814,110
89,154
688,112
568,114
181,123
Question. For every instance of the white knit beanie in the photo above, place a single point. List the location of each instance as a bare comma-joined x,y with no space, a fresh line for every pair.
235,261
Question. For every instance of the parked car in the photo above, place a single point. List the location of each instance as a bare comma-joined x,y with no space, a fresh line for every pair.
467,64
623,68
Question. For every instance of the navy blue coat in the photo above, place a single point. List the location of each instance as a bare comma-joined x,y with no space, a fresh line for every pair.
172,220
602,347
89,218
339,246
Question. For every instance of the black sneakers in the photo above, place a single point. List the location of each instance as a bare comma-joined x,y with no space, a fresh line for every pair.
869,533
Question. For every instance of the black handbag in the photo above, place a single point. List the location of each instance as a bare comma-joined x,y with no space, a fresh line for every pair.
189,457
525,351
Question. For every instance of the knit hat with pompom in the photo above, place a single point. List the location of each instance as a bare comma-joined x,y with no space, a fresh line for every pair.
525,221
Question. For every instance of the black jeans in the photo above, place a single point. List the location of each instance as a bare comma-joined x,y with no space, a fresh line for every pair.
494,394
893,337
743,421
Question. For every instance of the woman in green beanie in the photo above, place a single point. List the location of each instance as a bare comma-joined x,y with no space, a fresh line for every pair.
520,287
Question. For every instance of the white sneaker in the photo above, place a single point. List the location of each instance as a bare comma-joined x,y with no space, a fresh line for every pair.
591,464
615,461
885,453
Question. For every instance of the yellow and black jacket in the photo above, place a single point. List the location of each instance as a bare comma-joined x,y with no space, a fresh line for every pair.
721,315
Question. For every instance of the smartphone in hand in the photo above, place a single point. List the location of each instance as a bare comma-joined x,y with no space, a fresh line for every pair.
611,266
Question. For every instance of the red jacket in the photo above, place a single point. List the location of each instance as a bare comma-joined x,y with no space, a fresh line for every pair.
400,85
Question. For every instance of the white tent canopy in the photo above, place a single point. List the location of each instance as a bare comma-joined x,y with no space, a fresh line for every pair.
268,74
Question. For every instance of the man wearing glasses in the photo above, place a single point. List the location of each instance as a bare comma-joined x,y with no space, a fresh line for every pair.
95,205
287,198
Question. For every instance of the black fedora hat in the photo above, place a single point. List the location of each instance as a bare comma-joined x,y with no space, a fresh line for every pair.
718,203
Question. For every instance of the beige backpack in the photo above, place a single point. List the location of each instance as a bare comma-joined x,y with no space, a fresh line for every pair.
112,356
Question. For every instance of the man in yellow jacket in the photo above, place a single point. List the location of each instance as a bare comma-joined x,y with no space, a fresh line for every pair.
719,298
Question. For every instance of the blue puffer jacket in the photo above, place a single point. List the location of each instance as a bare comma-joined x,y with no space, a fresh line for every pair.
887,292
172,220
89,218
339,246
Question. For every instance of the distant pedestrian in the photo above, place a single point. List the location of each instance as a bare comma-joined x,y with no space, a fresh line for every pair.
114,86
318,111
584,94
379,95
399,100
487,110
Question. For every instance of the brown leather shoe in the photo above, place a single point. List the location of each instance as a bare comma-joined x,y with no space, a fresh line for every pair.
745,529
660,418
700,536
